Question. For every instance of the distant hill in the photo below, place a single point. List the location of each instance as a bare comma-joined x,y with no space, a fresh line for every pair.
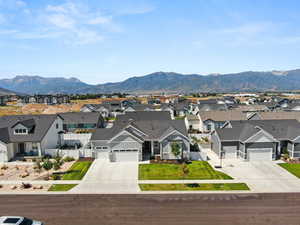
42,85
162,81
4,91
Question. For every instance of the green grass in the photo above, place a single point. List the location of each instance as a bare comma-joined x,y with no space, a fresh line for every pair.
179,117
195,187
198,170
77,171
61,187
292,168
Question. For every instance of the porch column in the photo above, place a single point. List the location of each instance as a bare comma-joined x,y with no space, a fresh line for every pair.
39,149
161,150
152,149
293,148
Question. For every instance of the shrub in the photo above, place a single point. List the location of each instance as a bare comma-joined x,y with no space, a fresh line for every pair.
193,185
69,159
55,177
47,165
26,185
56,165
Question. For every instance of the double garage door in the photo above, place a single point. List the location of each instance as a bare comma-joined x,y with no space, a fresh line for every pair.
260,154
126,155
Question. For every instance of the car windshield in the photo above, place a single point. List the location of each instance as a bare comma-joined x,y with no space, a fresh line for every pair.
26,222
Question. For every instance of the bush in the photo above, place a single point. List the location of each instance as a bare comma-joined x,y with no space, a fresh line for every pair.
69,159
55,177
26,185
56,165
193,185
47,165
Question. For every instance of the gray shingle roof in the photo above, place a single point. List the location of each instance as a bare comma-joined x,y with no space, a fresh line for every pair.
81,117
279,129
42,123
144,115
154,124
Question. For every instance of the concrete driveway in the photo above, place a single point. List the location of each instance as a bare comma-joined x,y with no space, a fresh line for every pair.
262,176
109,177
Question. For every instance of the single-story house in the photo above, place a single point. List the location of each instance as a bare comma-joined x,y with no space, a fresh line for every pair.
254,140
28,135
211,120
140,107
81,120
138,136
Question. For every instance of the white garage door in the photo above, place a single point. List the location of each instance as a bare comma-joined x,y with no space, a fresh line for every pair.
125,155
260,154
102,155
230,152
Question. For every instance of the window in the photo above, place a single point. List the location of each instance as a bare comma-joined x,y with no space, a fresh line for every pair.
26,222
57,126
20,131
101,147
34,146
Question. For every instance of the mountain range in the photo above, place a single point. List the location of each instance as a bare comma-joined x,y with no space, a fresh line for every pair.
161,82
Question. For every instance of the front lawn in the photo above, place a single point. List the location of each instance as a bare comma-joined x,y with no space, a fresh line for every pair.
61,187
195,187
198,170
77,170
292,168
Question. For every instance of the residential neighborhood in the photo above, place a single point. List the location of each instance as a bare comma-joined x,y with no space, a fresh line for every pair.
149,112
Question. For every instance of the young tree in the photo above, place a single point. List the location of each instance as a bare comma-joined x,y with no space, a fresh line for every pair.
185,170
176,149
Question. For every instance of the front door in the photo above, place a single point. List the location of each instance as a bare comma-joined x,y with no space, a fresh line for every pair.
21,148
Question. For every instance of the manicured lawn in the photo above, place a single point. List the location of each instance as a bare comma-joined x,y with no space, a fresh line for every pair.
198,170
61,187
77,171
195,187
292,168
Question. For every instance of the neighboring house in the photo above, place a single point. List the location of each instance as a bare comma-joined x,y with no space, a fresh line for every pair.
45,99
138,136
182,108
192,122
28,135
209,107
278,115
211,120
250,108
257,140
103,109
140,107
73,121
3,100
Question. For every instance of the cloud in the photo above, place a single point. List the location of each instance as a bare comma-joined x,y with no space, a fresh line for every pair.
72,22
100,20
61,21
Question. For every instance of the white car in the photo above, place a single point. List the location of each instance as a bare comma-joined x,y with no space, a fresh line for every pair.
18,220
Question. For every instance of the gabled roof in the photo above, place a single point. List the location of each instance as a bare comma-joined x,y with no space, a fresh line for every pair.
144,116
212,107
280,115
142,107
81,117
42,124
149,127
222,115
279,129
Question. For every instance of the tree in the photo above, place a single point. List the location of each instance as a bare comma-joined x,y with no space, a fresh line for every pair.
176,149
47,165
185,170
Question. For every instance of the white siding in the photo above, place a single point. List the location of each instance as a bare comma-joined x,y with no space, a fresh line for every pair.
51,139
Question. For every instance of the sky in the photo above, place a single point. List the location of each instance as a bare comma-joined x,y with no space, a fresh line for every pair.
100,41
